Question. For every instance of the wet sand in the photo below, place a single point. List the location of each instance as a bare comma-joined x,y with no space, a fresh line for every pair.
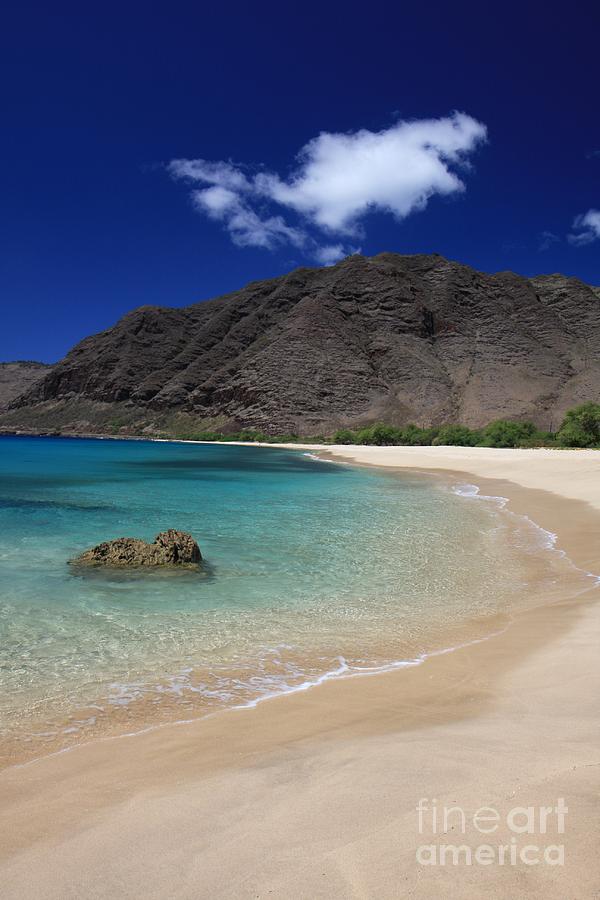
315,794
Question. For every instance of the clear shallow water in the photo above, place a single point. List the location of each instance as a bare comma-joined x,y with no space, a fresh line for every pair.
311,567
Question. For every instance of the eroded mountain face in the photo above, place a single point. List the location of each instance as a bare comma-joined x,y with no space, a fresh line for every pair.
18,377
393,338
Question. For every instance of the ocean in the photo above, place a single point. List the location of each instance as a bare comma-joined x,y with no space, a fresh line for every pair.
312,570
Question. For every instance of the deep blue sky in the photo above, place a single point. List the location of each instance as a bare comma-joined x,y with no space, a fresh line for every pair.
97,98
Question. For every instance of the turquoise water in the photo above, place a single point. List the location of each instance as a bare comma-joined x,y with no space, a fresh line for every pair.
311,568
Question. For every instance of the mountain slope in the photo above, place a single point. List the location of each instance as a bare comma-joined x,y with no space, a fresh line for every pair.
399,338
18,377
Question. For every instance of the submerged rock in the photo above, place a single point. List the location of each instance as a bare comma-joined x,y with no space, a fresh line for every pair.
170,548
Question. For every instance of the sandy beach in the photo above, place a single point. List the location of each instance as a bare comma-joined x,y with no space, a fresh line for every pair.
316,794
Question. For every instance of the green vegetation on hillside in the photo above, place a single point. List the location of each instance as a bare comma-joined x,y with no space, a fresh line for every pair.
580,428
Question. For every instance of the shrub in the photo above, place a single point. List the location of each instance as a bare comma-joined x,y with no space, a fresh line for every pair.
540,439
198,436
581,426
344,436
247,434
414,436
386,435
280,439
380,435
457,435
502,433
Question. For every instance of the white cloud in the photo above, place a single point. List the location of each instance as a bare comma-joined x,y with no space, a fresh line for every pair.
343,176
330,254
216,201
339,179
247,229
221,173
588,228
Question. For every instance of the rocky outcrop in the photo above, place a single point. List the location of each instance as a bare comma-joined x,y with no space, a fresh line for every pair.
392,338
170,548
18,377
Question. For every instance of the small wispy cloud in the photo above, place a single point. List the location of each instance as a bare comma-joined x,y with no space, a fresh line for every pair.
246,227
329,254
339,179
586,229
547,239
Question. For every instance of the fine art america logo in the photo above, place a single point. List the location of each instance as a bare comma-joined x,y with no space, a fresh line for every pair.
520,836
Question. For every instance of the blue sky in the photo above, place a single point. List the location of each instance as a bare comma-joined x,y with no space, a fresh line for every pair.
167,155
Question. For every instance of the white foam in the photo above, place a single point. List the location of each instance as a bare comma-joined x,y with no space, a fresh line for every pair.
342,671
548,539
317,458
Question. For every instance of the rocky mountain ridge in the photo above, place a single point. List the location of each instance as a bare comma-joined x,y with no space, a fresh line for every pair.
394,338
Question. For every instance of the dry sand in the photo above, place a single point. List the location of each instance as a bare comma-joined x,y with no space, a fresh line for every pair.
313,795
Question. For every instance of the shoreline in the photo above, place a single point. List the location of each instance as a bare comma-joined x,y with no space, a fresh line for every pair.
376,710
142,716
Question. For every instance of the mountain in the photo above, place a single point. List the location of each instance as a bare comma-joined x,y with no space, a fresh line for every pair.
392,338
19,376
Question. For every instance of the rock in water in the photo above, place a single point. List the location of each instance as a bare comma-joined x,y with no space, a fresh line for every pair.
170,548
